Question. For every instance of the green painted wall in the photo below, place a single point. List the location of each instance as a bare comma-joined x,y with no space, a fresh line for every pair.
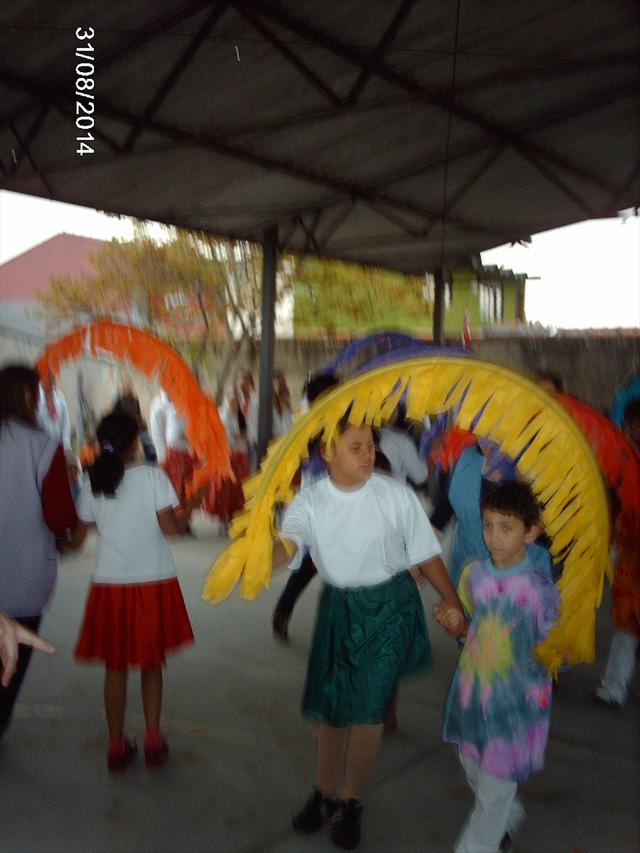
462,299
510,291
465,298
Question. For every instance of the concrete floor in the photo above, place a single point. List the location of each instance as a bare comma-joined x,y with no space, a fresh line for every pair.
242,757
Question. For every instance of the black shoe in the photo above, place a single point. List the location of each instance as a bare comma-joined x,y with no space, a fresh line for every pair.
345,826
316,811
280,626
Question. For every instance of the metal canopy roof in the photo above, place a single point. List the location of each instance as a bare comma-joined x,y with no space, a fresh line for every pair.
401,133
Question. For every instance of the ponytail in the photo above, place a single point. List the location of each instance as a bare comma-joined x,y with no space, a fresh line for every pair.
116,433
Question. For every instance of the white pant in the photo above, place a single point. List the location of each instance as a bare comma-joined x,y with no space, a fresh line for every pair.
496,810
620,664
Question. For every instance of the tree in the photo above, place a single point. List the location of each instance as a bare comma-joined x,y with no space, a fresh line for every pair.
191,289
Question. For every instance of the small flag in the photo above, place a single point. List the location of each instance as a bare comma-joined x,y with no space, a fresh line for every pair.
466,332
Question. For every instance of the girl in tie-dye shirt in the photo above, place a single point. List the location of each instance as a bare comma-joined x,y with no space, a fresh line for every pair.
499,703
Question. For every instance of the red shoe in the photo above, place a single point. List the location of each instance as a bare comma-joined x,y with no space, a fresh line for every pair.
156,752
120,755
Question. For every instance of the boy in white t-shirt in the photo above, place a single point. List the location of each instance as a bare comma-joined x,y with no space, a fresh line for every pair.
364,532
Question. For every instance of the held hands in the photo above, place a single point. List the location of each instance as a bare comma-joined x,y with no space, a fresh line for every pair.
450,618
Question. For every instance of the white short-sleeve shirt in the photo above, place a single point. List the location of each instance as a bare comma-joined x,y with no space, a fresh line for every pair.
132,548
359,538
403,457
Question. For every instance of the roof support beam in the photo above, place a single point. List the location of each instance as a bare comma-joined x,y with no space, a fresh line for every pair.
310,76
159,28
542,123
267,338
343,214
211,144
288,234
612,207
443,102
559,184
31,135
287,121
25,150
380,49
63,103
310,231
176,72
396,220
468,184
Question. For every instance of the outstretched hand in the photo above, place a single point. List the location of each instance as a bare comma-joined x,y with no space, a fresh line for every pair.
450,618
11,634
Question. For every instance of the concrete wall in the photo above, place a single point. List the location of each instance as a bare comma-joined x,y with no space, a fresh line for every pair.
592,367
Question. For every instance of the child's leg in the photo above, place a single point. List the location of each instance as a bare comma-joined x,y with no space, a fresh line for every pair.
156,751
151,687
391,719
332,749
362,751
115,701
496,810
620,665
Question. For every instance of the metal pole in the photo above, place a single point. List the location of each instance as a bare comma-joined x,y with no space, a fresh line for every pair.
79,410
438,307
269,265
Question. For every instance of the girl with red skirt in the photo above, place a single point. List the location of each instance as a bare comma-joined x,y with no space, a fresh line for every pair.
135,612
226,497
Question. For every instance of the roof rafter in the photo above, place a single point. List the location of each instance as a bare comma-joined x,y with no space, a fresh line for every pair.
344,212
395,219
634,173
176,72
443,102
33,131
65,106
559,184
292,58
158,28
313,116
471,181
537,125
380,49
310,230
25,150
258,160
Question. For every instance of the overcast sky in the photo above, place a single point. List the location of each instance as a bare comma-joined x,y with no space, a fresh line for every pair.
585,275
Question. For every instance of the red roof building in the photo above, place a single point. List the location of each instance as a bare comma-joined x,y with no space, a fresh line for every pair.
25,276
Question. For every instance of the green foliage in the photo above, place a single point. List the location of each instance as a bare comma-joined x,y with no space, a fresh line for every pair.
334,298
190,285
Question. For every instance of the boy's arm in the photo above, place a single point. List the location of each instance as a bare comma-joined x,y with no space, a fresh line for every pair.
173,523
449,612
435,572
284,550
78,535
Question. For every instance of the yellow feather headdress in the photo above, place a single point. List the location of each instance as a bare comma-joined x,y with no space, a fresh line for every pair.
495,403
